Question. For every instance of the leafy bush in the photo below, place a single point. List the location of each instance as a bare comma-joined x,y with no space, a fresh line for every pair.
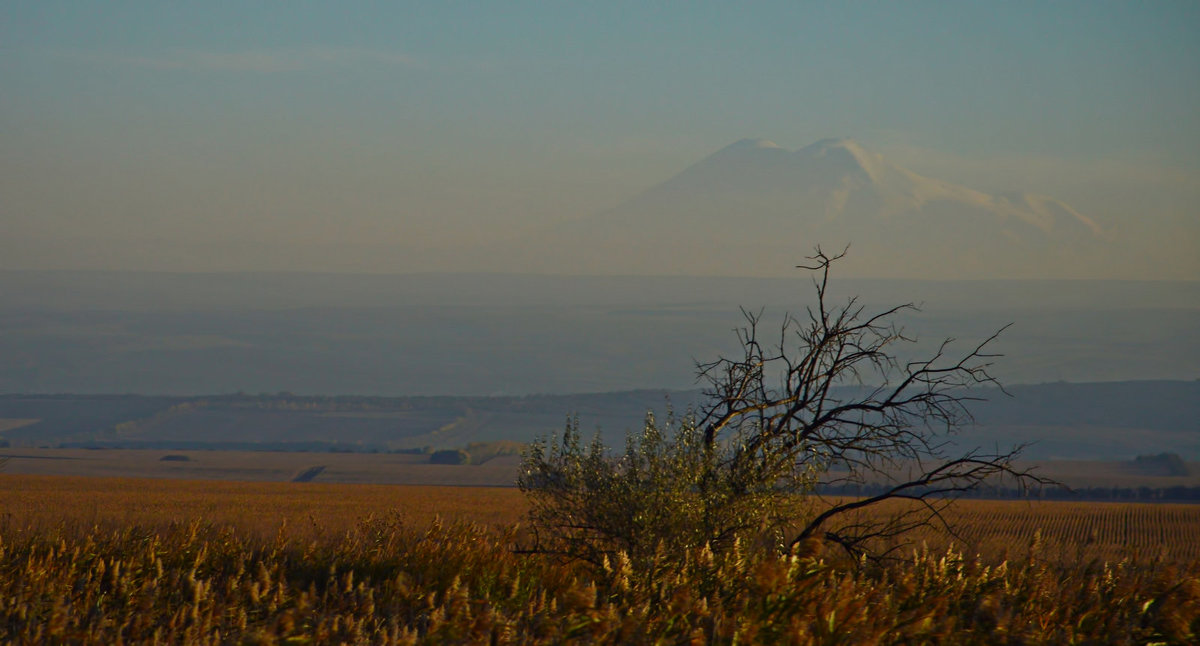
666,493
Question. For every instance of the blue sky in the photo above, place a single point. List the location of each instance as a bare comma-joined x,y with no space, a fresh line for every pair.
442,123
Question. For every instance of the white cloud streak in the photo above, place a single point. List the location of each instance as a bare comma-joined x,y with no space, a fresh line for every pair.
249,61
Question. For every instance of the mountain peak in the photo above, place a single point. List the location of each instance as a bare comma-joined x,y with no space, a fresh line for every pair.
838,146
757,202
751,144
847,154
759,165
848,143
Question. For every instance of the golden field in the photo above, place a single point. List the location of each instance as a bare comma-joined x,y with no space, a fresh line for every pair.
111,560
257,466
1071,531
301,510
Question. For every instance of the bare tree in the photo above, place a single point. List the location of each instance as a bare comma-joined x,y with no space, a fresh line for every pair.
826,402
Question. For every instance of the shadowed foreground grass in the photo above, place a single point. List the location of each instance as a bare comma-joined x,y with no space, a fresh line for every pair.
387,583
108,561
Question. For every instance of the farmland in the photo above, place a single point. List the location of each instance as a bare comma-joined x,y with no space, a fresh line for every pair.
107,560
304,510
995,529
260,466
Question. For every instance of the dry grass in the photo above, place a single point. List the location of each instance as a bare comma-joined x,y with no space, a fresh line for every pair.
1078,531
301,510
111,560
383,583
1066,531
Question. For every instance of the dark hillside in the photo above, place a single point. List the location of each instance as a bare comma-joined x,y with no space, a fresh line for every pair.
1159,405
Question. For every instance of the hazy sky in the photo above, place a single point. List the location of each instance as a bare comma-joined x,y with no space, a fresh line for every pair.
348,136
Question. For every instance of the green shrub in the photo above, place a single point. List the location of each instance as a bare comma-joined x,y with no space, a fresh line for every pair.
666,494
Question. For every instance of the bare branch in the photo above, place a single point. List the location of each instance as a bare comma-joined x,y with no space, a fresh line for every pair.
828,400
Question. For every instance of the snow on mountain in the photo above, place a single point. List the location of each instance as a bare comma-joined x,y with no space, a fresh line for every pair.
754,207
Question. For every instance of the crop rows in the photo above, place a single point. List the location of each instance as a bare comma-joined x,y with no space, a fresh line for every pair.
1080,531
993,529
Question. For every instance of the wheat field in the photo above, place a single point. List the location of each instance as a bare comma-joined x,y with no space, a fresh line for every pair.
994,529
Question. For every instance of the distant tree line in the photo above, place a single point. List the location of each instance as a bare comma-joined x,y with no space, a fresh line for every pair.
1178,493
314,446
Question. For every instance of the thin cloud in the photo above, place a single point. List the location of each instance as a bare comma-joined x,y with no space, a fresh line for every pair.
1043,172
250,61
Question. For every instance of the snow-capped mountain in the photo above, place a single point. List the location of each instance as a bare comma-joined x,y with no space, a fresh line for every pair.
756,208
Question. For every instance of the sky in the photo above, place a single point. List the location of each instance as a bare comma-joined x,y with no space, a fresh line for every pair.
383,137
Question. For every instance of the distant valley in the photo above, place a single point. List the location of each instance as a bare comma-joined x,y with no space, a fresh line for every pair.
496,334
1097,421
346,362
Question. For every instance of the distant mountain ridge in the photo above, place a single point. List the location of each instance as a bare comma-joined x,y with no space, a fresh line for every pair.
846,178
755,207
